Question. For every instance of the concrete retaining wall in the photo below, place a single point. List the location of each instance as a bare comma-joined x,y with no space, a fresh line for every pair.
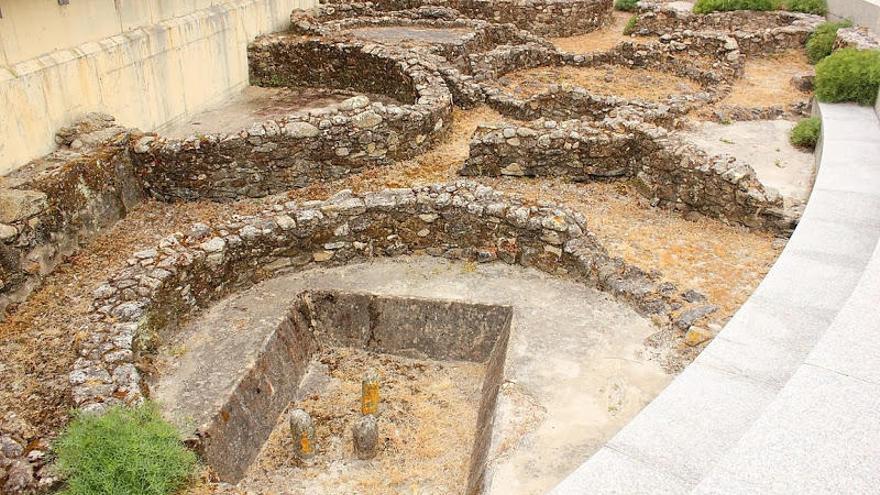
862,12
147,63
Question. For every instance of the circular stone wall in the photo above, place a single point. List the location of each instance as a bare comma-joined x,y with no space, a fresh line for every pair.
296,150
144,302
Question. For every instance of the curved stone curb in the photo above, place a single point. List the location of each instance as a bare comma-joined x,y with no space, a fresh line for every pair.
668,171
294,151
164,285
569,103
759,420
755,32
541,17
484,36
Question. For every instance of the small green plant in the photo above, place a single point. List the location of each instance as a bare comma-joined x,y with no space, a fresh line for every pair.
819,7
821,41
849,75
805,134
631,25
124,451
626,5
706,6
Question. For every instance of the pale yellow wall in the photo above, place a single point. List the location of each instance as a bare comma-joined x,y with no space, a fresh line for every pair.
58,62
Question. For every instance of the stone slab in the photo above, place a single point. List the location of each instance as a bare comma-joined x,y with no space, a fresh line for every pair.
821,435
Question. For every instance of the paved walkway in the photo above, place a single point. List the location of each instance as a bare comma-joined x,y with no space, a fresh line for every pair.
786,398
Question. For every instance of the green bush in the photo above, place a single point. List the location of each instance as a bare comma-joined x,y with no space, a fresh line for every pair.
806,133
819,7
849,75
821,41
706,6
626,5
123,452
631,25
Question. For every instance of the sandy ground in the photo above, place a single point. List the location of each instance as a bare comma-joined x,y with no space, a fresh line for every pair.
578,366
620,81
601,39
766,81
427,425
764,145
256,104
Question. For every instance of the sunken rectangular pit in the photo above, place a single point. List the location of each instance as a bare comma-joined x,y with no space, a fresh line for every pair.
229,389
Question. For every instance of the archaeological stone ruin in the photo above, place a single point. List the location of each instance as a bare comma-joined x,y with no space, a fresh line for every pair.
438,247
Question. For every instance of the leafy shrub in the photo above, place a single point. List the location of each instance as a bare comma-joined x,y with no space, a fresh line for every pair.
706,6
631,25
821,42
819,7
124,451
849,75
806,133
626,5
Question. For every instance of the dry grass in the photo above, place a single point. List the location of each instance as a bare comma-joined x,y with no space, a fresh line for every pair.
599,40
766,81
37,343
619,81
427,424
725,262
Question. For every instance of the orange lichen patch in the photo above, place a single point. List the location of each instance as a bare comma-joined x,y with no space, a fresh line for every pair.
767,81
600,39
610,81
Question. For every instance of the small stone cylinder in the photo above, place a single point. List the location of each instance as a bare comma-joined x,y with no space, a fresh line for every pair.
365,434
370,393
302,429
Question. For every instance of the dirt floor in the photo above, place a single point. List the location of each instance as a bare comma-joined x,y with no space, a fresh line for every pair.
764,145
256,104
766,81
427,423
619,81
601,39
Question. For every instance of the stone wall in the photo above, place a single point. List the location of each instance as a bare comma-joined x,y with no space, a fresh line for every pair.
52,205
562,103
185,272
294,151
856,37
756,32
542,17
122,58
669,172
329,22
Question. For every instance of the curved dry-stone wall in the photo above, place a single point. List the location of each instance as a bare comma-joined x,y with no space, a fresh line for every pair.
756,32
541,17
483,35
668,171
563,103
296,150
163,285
